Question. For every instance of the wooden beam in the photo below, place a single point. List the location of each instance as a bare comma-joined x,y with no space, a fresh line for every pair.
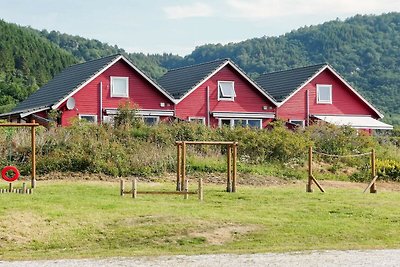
33,156
310,175
13,124
229,169
207,142
372,188
234,169
178,166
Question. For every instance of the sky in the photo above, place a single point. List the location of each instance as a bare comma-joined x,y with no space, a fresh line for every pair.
178,26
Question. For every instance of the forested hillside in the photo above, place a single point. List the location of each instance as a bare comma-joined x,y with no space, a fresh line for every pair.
27,61
364,49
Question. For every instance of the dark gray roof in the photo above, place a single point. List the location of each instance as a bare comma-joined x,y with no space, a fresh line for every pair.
177,82
63,84
281,84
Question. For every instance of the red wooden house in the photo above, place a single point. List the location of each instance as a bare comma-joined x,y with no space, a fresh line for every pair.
93,91
218,93
318,92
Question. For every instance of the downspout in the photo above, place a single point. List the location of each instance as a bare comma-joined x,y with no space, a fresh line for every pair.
208,106
101,102
307,108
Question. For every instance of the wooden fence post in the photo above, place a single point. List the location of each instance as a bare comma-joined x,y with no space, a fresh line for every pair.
178,166
372,189
310,174
186,189
33,156
183,164
134,189
122,187
234,168
200,189
229,168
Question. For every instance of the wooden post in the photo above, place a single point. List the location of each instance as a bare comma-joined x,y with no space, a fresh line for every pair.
33,157
310,175
121,187
23,188
234,169
183,164
229,168
372,189
186,189
134,189
200,189
10,187
178,166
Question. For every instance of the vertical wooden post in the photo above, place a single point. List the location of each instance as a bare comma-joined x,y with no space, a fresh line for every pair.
234,167
23,188
178,166
10,187
372,189
121,187
229,168
186,189
33,156
183,164
134,189
310,158
200,189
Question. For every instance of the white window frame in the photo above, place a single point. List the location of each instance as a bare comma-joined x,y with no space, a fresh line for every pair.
302,124
232,121
88,115
197,119
224,98
112,79
324,86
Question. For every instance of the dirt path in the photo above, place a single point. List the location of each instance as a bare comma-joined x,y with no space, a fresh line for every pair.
314,258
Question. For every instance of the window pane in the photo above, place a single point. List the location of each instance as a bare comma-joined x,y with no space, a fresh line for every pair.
254,123
239,123
120,87
88,118
226,89
226,122
150,120
324,94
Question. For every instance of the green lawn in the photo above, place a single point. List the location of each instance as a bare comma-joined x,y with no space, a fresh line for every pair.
89,219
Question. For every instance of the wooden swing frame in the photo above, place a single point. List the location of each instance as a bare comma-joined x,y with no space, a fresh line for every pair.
33,126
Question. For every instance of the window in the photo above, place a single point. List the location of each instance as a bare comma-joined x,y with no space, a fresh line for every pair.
253,123
226,91
199,120
151,120
119,87
299,123
324,94
88,118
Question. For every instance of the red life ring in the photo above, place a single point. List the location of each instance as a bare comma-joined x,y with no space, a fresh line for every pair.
10,168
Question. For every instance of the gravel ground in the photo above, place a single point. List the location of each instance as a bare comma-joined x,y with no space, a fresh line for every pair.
313,258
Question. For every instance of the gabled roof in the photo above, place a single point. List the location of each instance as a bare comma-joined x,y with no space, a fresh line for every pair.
181,82
282,84
71,80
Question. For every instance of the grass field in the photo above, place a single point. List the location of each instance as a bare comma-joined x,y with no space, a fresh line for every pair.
89,219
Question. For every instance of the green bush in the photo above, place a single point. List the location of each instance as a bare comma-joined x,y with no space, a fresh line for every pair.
388,170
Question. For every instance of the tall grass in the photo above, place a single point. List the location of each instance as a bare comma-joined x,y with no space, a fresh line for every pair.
137,149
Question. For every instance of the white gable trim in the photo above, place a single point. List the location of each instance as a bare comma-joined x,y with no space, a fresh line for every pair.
24,114
56,105
239,71
341,79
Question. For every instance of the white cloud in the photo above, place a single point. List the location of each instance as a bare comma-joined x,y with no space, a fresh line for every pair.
188,11
264,9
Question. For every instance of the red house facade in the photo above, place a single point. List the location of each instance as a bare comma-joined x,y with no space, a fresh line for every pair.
319,93
93,91
218,93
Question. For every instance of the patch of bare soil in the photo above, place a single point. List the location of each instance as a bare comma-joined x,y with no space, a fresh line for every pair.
26,226
225,233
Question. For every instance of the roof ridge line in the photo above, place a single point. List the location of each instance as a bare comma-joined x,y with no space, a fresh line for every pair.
297,68
199,64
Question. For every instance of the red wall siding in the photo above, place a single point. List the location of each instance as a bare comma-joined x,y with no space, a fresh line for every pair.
344,101
141,92
248,98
